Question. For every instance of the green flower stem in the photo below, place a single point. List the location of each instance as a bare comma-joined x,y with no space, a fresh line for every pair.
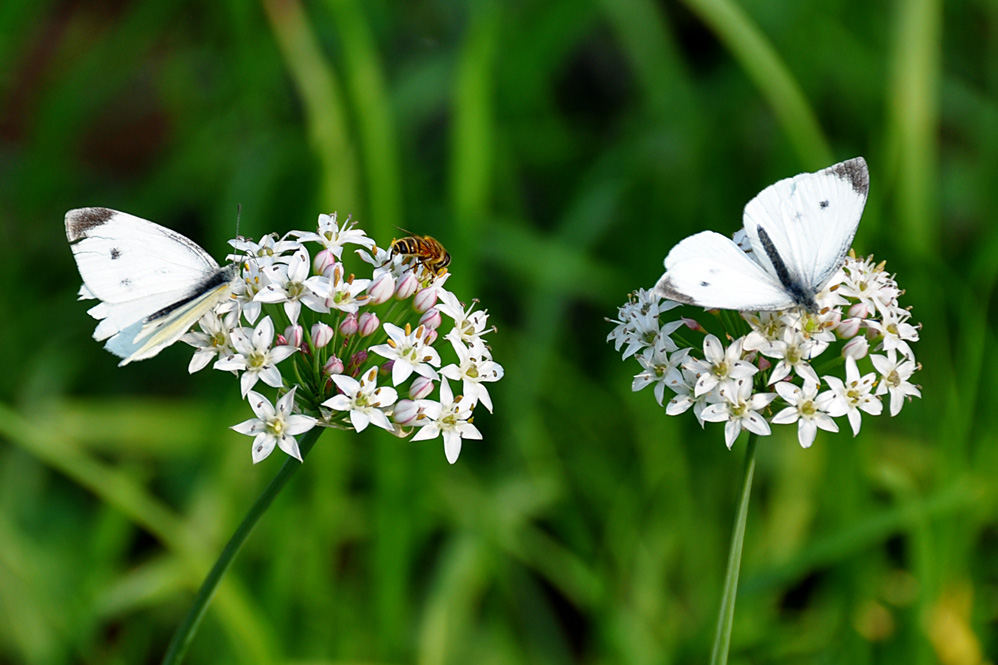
722,640
185,632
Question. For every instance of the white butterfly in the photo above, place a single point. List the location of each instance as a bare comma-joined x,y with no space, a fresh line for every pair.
153,283
799,229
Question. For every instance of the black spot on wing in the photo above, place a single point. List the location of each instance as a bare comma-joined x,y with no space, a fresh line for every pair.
81,221
126,282
115,253
823,204
856,172
704,284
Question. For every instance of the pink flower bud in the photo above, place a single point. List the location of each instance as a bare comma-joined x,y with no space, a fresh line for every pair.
323,261
430,336
381,289
348,326
333,366
406,286
692,324
367,324
848,328
424,299
356,361
294,335
764,364
859,311
405,412
386,368
322,334
421,387
856,348
431,319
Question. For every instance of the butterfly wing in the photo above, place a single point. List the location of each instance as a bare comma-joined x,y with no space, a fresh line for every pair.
801,228
150,280
709,270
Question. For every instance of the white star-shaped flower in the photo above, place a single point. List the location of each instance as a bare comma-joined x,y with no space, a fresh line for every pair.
808,409
469,326
475,368
409,350
894,374
211,341
719,365
450,417
274,427
290,284
739,409
254,356
363,399
661,369
794,351
333,237
853,395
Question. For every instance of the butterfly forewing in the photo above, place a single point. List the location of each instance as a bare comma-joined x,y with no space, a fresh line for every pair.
801,228
153,283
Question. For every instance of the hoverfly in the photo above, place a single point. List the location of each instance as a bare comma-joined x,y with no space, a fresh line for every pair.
426,250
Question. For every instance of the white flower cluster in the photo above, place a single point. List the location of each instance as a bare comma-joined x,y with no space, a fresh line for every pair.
350,348
775,369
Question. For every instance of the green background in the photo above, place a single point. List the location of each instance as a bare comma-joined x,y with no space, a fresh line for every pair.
558,149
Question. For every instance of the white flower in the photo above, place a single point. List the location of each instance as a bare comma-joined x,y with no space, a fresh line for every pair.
363,399
274,427
719,365
469,326
639,327
896,330
475,368
210,341
409,350
739,410
807,409
894,378
345,294
661,369
263,253
332,237
793,351
290,284
684,398
450,417
853,395
254,357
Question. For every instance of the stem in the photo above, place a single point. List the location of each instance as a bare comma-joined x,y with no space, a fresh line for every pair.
184,635
722,640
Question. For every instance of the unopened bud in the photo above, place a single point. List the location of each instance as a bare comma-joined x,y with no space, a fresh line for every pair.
367,324
856,348
322,334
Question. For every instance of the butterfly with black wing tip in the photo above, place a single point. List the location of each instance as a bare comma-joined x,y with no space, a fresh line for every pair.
153,283
800,230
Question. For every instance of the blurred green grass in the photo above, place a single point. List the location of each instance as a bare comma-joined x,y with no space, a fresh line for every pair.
558,149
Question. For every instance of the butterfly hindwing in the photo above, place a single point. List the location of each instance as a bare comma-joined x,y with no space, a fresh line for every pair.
709,270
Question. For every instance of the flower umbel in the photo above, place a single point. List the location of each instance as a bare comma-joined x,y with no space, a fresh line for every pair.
733,381
343,334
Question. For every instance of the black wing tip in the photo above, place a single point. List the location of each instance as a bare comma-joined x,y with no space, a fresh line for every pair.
856,172
80,221
665,289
